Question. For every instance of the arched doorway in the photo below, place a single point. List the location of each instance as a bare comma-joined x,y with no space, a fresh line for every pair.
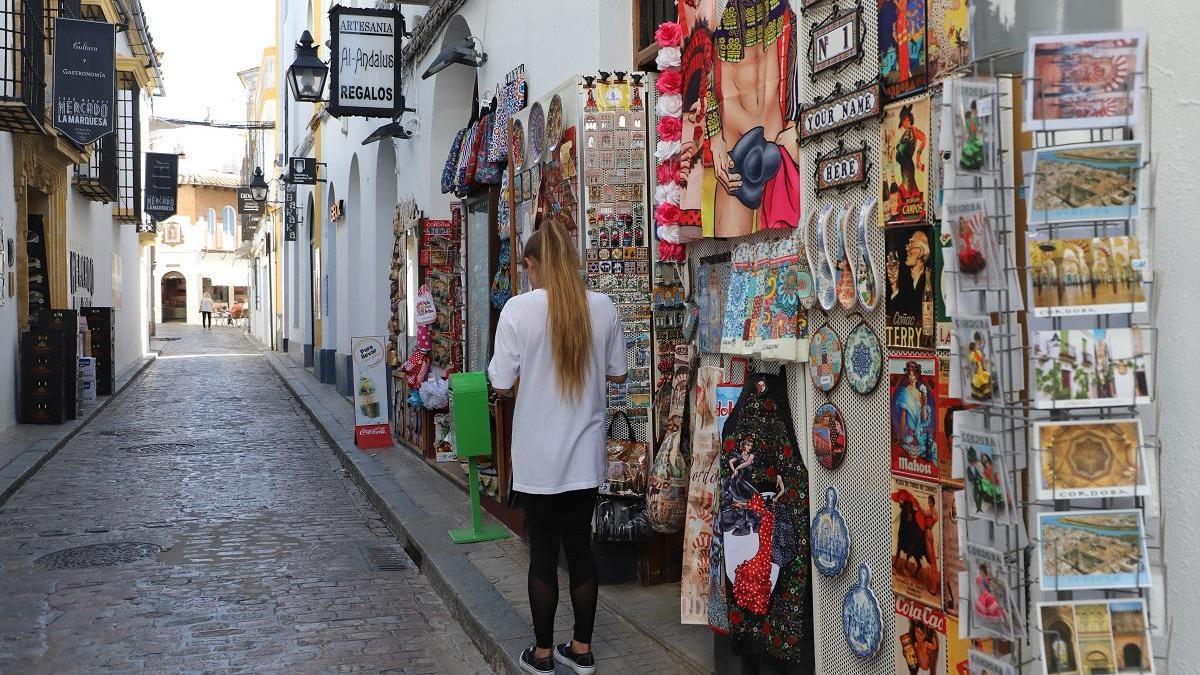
174,297
1131,657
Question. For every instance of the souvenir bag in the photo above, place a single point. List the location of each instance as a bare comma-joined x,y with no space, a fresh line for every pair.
487,172
476,136
622,520
425,311
502,282
450,171
702,496
666,496
727,394
503,209
511,101
785,323
628,461
763,525
734,324
464,161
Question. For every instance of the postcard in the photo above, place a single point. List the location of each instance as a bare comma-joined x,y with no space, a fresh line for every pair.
1089,368
916,540
980,264
913,387
1081,550
1084,183
988,493
949,36
1084,81
983,664
920,643
1099,636
905,162
972,104
977,359
1089,459
991,605
1100,275
952,562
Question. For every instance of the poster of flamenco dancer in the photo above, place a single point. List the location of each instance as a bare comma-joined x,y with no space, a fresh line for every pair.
1084,81
745,113
913,381
762,525
902,47
905,163
917,541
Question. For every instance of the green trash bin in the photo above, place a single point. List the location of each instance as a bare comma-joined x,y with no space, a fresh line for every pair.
472,440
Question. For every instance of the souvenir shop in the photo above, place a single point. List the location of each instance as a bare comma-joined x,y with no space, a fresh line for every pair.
889,316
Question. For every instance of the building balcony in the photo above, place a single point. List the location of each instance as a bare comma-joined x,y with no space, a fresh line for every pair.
23,66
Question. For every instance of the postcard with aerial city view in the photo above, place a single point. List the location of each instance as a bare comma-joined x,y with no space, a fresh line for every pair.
1084,183
1082,550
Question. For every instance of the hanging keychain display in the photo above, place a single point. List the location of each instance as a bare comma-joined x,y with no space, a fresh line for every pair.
830,537
825,358
863,355
843,276
862,620
867,274
818,258
829,436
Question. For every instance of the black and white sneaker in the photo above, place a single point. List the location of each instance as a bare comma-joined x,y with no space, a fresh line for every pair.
534,665
582,664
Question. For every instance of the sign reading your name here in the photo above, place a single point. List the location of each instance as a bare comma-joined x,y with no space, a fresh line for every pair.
840,112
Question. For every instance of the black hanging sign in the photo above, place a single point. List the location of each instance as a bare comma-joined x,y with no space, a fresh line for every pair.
364,68
303,170
291,219
162,185
836,41
247,204
85,86
840,110
841,169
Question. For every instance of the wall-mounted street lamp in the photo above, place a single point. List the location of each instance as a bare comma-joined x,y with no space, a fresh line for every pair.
258,185
307,74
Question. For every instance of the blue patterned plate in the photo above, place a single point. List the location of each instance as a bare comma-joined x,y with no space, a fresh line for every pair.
862,622
830,537
864,359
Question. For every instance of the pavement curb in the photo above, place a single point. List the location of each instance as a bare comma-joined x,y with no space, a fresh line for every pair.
23,467
471,598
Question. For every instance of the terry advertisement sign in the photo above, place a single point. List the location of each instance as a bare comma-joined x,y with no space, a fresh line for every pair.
371,428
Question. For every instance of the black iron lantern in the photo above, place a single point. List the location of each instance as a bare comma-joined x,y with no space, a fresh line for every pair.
307,74
258,185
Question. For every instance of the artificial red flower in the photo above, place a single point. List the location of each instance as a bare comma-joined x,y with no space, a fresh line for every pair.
735,617
670,129
668,252
670,82
669,34
787,451
768,405
729,444
666,214
771,472
668,171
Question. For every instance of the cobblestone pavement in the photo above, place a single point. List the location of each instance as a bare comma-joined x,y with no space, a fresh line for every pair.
270,560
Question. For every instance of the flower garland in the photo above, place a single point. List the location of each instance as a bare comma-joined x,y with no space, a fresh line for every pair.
669,109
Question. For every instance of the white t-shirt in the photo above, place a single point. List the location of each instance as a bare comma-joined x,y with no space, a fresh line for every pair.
206,305
557,445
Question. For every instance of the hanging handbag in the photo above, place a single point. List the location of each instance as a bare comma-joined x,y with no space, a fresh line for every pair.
628,461
666,499
450,170
622,521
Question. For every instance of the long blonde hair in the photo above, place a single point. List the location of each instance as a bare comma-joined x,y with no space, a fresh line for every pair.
570,318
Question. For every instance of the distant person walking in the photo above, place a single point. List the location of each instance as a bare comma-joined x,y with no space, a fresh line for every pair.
206,310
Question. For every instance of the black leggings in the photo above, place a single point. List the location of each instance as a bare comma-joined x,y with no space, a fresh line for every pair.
206,319
550,521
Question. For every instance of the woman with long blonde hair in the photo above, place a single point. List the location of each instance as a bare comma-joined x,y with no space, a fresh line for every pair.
565,344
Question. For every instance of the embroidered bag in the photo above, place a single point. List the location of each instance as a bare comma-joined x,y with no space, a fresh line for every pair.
451,169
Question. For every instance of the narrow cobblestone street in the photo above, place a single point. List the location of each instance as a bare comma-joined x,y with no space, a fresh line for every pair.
257,553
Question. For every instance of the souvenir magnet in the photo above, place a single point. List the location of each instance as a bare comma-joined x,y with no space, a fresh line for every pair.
830,537
537,132
829,436
818,259
825,359
554,124
843,278
862,621
868,275
517,145
863,354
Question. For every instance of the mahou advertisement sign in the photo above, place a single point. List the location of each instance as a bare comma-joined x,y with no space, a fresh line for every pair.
365,67
371,428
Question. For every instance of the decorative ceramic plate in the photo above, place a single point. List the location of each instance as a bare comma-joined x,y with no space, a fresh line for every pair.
554,124
516,144
829,436
830,537
864,359
825,359
537,132
862,621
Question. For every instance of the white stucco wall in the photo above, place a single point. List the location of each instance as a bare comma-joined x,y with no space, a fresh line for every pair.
8,311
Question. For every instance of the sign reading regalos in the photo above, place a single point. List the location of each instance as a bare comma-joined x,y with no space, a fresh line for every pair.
371,428
85,87
365,68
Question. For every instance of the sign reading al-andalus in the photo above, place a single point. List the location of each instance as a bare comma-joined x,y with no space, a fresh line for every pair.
365,67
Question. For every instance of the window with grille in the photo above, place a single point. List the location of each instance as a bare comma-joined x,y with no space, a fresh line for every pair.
67,9
97,178
22,66
129,152
648,15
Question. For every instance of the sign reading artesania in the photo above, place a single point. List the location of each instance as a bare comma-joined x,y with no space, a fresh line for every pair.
162,185
365,68
84,79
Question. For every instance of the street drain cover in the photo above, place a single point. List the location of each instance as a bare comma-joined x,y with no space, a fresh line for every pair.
386,559
159,448
97,555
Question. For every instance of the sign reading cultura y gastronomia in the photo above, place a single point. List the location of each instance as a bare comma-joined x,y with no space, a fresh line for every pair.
84,79
365,65
162,189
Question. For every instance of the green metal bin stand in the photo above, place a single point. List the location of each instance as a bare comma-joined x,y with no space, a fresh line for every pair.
472,440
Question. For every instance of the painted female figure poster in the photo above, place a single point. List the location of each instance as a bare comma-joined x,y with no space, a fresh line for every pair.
914,416
902,47
749,118
905,162
949,36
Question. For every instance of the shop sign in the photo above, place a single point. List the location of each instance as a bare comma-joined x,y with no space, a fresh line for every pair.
85,87
835,41
840,110
82,273
841,169
337,211
291,217
371,429
162,185
247,204
303,170
365,68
